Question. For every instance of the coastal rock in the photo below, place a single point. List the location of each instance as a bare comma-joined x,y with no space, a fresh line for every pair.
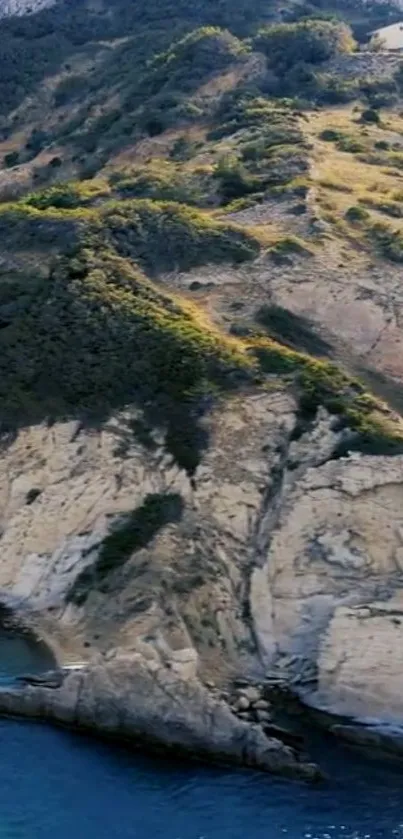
387,739
146,703
336,587
285,559
242,704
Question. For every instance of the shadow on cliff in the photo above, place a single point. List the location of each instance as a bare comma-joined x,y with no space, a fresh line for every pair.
95,336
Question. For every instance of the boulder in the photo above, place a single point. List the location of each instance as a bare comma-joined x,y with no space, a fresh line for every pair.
261,705
251,693
242,704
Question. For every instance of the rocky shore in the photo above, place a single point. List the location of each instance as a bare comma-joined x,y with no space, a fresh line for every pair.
149,705
286,559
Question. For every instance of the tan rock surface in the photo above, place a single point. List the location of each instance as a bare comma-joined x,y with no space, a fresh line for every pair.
334,574
131,698
284,557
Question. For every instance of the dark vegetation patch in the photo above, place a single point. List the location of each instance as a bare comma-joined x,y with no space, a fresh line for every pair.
394,209
357,214
158,97
167,236
308,41
268,146
131,533
386,240
319,383
161,236
287,247
389,242
97,335
163,180
35,46
292,330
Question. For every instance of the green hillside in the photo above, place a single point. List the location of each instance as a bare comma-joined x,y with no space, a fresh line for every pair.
129,136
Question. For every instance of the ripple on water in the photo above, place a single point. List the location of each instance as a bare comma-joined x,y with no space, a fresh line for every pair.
53,783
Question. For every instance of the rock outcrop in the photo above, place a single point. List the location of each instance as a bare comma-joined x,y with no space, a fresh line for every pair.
284,558
335,579
143,701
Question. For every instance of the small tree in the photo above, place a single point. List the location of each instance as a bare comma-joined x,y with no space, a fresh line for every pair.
233,177
370,115
308,41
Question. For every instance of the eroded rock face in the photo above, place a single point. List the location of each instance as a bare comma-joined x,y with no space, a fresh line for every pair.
63,488
335,579
282,557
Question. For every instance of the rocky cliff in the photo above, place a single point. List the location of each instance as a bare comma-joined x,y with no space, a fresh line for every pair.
185,258
283,557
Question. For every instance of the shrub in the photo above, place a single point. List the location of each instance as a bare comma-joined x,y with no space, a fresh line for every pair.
357,214
308,41
68,195
11,159
323,383
96,334
165,236
70,89
350,144
388,241
37,140
133,532
330,135
290,329
233,179
163,180
370,115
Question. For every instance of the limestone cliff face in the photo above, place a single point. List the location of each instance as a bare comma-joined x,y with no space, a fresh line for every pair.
334,574
282,558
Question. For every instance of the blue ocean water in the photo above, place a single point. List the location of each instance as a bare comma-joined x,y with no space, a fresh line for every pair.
57,784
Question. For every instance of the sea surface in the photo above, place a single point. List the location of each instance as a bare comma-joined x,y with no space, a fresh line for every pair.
57,784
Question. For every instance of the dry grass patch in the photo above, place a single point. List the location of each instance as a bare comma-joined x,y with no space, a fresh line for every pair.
344,178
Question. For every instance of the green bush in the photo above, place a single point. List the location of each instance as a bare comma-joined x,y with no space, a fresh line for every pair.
370,115
70,89
166,236
323,383
308,41
164,180
389,242
133,532
68,195
357,214
233,179
293,330
11,159
330,135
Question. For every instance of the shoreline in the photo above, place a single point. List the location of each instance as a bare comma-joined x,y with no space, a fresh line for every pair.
146,706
